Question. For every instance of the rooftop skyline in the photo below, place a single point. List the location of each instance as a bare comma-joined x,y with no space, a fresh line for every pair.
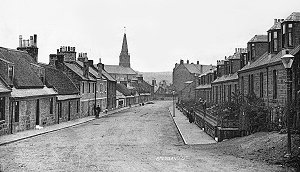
159,33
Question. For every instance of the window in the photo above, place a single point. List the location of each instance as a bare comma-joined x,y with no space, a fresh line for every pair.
11,72
252,51
235,88
275,41
17,111
252,83
290,39
224,92
89,87
242,85
216,94
51,105
77,107
82,87
274,84
2,108
229,92
283,35
261,83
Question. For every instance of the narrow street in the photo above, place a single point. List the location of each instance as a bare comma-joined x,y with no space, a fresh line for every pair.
138,139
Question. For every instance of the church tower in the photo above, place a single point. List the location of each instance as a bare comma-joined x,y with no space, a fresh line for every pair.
124,58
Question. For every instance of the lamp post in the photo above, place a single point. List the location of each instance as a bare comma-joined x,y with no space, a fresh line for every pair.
173,92
287,61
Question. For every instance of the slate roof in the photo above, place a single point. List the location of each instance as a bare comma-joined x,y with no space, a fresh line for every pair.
141,87
106,75
60,81
77,70
196,68
24,76
206,86
268,59
259,38
123,89
295,16
209,71
276,26
226,78
116,69
32,92
4,88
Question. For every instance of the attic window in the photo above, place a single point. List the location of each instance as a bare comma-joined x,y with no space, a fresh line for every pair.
290,28
275,41
252,51
11,72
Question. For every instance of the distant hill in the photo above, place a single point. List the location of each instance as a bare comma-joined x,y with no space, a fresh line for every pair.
158,76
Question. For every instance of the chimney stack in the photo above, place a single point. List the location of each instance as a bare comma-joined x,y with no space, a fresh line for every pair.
86,68
20,40
197,62
100,67
91,62
35,40
31,41
187,61
181,61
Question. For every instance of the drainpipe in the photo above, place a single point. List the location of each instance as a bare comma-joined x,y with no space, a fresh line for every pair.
267,68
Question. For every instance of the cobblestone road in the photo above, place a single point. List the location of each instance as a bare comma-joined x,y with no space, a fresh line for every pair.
138,139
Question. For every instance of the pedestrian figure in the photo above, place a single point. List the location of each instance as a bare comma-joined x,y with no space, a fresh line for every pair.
98,110
191,116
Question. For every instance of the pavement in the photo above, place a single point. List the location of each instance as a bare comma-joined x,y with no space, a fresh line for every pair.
6,139
190,132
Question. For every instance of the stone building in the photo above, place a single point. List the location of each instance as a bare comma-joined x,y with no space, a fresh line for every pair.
266,76
31,103
5,91
185,78
68,98
124,96
204,89
227,78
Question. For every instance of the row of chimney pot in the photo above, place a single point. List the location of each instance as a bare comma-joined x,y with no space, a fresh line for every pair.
29,42
181,62
240,50
82,55
278,20
67,49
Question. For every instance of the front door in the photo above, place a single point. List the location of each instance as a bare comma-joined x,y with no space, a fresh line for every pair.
37,122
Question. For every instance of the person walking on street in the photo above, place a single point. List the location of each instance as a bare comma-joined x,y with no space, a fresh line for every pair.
98,110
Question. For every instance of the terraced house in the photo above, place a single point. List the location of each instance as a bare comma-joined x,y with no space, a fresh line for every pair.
185,78
68,98
80,72
227,77
266,75
31,103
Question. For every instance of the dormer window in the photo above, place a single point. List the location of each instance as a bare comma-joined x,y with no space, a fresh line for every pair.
287,35
11,72
252,51
275,41
289,32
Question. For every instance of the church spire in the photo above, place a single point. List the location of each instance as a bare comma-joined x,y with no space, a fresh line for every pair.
124,58
124,45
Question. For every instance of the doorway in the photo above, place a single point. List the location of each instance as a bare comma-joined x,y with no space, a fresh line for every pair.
37,113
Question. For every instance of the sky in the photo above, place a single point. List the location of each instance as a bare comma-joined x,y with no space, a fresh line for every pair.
159,32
